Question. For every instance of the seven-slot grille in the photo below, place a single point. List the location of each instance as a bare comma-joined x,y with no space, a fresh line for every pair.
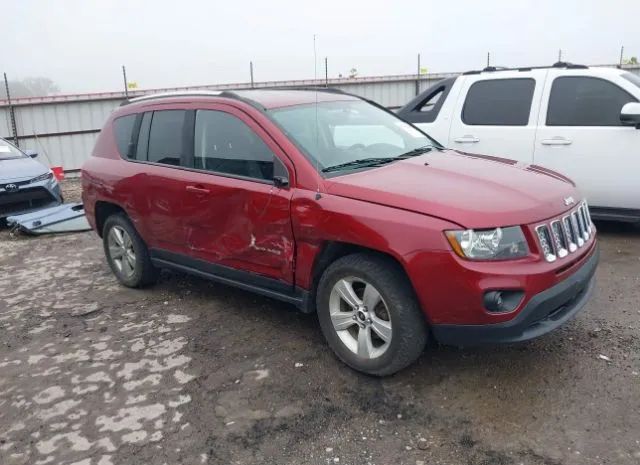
565,235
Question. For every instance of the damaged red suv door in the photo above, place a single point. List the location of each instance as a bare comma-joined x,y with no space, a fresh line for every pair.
233,214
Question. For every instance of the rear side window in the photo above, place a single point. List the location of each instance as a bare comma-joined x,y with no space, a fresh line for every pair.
225,144
586,101
143,137
123,129
499,102
166,137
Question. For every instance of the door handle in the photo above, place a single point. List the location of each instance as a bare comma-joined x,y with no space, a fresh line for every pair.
467,140
197,189
556,141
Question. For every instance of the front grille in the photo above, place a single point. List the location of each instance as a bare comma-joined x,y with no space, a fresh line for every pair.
24,199
563,236
3,185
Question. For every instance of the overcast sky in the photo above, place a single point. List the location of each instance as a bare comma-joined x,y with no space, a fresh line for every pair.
81,44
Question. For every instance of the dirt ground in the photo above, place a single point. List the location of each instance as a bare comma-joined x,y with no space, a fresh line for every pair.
191,372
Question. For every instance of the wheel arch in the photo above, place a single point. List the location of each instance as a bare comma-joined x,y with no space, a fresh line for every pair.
104,210
330,251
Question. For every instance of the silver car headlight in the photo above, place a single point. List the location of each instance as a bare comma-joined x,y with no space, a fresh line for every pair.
489,244
43,177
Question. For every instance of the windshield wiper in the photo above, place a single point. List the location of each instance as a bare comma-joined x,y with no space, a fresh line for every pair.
417,151
362,162
365,162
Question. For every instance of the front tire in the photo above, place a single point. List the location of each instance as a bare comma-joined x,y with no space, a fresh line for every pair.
369,314
127,253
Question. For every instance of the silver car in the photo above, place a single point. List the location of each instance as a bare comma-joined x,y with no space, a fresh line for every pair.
25,184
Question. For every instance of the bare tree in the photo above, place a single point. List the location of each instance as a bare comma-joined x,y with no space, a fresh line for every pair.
30,87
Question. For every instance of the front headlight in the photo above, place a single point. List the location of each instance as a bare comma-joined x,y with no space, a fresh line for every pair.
43,177
489,244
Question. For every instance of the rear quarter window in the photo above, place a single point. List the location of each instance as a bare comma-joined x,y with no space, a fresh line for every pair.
499,102
123,130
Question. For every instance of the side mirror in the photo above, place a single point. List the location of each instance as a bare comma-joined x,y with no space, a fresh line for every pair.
630,114
281,181
31,153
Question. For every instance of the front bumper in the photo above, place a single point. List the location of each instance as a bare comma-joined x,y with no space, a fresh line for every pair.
543,313
29,197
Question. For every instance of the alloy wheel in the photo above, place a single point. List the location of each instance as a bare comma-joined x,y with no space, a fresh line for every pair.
360,317
121,251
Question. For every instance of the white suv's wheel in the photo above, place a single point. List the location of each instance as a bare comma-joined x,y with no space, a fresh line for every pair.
369,314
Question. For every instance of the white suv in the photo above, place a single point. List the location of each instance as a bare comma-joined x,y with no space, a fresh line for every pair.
580,121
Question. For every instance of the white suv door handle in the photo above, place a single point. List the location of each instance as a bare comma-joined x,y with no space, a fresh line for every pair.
556,141
467,140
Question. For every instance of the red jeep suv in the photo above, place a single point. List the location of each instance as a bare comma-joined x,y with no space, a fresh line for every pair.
332,203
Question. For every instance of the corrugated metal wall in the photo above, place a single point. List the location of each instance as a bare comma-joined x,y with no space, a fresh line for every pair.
63,129
62,133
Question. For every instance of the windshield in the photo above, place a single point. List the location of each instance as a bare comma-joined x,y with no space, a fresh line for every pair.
632,78
336,133
8,151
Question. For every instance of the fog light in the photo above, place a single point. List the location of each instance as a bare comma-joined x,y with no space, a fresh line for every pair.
502,301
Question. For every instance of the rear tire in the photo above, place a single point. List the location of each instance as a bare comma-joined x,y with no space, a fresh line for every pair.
126,253
379,327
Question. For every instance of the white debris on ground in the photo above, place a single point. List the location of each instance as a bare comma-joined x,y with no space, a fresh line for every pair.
100,379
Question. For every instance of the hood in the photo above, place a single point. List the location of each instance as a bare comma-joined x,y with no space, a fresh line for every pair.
20,169
473,191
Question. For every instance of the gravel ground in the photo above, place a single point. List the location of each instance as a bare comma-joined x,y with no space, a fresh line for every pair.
192,372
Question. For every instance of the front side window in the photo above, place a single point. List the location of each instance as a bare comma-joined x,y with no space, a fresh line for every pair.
499,102
225,144
334,133
166,137
632,78
586,101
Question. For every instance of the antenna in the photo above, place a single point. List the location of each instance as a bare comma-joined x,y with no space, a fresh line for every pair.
126,86
315,78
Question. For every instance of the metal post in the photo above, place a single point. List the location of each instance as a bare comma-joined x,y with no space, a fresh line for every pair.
418,78
326,72
559,55
488,59
251,71
621,55
126,87
12,114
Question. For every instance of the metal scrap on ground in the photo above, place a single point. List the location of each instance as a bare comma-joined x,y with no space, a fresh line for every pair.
68,217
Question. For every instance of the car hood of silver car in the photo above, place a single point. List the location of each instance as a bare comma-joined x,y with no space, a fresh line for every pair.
20,169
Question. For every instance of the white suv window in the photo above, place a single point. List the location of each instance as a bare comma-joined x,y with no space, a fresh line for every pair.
586,101
499,102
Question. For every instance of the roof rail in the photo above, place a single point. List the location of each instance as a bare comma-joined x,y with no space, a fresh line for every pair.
182,93
226,93
559,64
331,90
